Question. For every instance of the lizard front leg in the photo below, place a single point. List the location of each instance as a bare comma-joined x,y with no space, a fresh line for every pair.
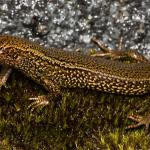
39,101
43,100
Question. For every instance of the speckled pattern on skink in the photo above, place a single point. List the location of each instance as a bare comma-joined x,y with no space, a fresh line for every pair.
55,68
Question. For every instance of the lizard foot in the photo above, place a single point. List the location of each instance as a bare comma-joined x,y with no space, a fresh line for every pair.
141,120
38,102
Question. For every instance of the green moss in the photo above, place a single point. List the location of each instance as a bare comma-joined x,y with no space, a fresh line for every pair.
82,119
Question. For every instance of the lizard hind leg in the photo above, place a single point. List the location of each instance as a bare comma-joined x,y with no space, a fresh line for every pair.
118,54
141,120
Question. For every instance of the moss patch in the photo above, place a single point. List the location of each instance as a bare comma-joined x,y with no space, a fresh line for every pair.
82,119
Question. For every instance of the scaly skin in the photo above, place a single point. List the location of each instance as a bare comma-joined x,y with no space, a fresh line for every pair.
54,68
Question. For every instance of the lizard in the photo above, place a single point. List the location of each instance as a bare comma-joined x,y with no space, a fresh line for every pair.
55,68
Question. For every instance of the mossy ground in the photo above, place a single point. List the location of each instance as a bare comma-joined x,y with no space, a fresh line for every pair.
82,119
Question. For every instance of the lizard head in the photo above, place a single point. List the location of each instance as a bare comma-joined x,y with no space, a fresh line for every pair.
8,52
17,52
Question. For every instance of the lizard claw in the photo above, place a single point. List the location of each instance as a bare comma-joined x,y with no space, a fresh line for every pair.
38,102
141,120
